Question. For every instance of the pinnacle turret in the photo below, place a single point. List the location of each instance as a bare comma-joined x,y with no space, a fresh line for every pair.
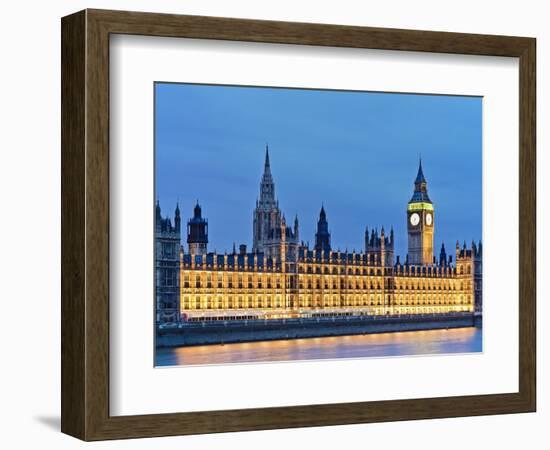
322,237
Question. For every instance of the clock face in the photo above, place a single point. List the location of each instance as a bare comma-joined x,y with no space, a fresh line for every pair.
429,219
415,219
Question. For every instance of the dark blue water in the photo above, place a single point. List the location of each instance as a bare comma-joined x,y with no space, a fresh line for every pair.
459,340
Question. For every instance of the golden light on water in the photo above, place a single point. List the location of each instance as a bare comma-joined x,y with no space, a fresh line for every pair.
426,342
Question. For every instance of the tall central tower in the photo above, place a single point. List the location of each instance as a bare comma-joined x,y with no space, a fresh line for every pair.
420,222
267,215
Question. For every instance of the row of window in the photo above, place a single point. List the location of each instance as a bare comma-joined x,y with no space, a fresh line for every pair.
336,270
318,284
339,270
230,302
377,271
267,282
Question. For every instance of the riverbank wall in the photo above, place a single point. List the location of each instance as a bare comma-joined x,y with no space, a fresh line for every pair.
225,332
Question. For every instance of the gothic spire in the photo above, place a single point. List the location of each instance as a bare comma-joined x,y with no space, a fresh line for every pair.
443,255
322,237
266,213
420,175
197,211
420,186
177,217
267,167
158,217
267,178
267,186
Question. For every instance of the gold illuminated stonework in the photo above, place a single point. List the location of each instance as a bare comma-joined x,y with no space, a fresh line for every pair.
319,284
420,206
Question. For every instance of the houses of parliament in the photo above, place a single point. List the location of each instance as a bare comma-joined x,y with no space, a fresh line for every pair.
282,277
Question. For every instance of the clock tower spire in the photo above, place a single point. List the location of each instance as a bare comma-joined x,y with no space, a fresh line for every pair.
420,222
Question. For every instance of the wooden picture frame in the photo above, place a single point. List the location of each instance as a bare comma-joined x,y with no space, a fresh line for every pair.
85,224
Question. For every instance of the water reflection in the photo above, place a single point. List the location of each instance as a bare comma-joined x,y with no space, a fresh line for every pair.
458,340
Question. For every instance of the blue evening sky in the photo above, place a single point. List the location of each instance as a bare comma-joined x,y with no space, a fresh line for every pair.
355,152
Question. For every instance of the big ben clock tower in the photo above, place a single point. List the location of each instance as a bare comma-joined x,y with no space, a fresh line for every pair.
420,223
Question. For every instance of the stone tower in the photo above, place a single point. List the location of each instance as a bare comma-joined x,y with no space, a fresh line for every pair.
197,232
267,215
478,275
466,273
167,266
420,223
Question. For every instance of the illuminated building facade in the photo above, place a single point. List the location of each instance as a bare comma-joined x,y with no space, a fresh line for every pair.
318,283
282,277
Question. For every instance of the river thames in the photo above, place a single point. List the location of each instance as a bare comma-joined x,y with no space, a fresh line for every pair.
429,342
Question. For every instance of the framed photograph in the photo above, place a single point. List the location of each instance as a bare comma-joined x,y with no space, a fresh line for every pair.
273,225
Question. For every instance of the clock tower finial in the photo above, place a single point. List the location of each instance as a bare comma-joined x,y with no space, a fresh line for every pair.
420,193
420,222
